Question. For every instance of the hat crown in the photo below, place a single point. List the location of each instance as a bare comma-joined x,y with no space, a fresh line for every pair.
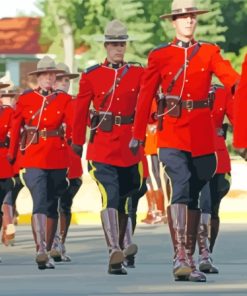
46,63
115,28
63,67
183,4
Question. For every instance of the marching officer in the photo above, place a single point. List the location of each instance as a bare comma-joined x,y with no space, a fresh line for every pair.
6,170
184,69
41,113
219,185
112,88
8,231
58,251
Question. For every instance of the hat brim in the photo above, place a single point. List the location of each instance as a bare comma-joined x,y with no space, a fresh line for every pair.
170,15
70,76
8,95
36,72
103,39
3,85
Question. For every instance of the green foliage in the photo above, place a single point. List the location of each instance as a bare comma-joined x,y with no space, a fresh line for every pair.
236,60
211,25
235,18
56,11
89,17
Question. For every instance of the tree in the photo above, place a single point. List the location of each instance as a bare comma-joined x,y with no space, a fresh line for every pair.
235,18
59,25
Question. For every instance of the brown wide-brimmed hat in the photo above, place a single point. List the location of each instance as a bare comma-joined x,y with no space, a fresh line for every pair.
180,7
3,85
9,93
66,73
115,31
46,65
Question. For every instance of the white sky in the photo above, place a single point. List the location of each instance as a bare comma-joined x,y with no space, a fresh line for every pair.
11,8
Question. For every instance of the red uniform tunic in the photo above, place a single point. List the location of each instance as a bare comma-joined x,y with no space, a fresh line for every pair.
108,147
75,165
6,113
193,131
223,105
240,107
50,152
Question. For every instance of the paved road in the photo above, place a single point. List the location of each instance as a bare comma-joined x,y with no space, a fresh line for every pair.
86,275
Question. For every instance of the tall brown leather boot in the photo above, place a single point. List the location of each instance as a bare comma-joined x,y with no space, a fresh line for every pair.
130,249
160,203
51,228
58,250
177,225
193,219
151,215
109,219
8,232
205,261
125,229
39,230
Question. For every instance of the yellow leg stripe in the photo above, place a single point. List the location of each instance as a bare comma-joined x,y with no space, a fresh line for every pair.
100,186
140,170
126,208
228,177
21,172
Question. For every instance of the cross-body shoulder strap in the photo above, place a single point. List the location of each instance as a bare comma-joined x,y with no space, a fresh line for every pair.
118,80
49,99
181,69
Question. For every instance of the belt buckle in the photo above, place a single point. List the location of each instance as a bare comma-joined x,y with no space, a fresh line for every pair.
117,120
42,134
189,104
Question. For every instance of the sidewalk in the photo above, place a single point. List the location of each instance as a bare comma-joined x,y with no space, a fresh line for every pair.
87,203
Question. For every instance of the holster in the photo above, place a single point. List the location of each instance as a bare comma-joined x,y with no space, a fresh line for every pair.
211,98
94,121
161,102
106,121
173,106
29,136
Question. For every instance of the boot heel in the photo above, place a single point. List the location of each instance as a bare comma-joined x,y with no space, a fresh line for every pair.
41,260
116,257
131,250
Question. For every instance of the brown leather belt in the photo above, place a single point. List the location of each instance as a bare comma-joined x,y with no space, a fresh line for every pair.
119,120
51,133
190,104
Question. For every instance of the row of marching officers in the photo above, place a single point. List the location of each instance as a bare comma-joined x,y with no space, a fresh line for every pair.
48,130
52,130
